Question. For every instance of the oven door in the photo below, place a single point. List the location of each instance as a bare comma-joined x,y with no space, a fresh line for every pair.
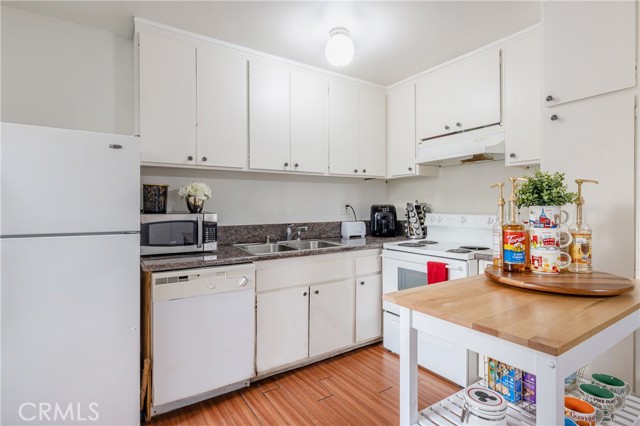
401,270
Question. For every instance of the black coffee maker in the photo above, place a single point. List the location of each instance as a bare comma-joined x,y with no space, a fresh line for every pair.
383,220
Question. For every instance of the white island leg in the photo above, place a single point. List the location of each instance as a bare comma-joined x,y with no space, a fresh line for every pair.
408,369
549,392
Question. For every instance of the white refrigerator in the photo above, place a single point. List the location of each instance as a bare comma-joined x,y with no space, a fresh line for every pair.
70,271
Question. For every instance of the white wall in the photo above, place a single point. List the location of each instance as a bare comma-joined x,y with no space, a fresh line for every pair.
457,189
59,74
244,198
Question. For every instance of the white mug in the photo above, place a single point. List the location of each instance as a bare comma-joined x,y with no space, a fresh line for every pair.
548,260
546,216
544,237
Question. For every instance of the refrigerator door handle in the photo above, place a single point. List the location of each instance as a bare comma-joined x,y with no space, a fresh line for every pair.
200,231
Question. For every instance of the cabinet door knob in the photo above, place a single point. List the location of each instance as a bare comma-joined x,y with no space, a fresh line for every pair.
190,158
549,98
446,127
317,292
364,170
286,164
459,124
304,294
355,170
204,158
295,165
361,282
410,168
554,117
512,155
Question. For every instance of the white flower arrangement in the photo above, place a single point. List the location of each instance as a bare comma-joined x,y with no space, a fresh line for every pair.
199,190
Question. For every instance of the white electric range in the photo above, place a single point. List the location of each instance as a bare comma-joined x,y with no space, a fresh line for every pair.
453,240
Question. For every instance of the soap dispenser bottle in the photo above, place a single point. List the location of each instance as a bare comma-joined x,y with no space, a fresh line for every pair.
497,229
580,248
514,236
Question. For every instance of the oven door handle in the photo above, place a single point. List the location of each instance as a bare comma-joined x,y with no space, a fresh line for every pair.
457,268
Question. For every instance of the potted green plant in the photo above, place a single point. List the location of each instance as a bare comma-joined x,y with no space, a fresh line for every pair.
543,194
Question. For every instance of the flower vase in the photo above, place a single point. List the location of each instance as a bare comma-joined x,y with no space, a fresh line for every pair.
194,204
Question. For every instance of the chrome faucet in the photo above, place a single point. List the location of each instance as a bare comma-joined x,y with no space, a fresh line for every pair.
297,233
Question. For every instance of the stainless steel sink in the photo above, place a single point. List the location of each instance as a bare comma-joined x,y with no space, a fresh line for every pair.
286,246
265,248
311,244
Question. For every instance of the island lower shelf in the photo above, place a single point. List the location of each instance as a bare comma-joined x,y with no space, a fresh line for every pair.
447,412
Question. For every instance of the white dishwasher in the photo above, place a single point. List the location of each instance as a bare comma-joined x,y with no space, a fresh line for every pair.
203,333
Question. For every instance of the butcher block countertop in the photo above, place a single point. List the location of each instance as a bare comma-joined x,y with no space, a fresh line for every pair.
550,323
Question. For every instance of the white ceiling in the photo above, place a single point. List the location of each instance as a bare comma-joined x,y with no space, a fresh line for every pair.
393,39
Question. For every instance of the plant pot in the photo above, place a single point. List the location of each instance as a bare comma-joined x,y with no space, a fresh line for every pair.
195,205
546,216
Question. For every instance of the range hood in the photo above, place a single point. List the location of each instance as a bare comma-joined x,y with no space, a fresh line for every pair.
481,144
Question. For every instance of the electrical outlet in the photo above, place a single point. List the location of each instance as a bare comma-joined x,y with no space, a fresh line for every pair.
344,210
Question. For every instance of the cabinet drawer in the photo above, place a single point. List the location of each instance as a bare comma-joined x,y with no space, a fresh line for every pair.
288,274
368,265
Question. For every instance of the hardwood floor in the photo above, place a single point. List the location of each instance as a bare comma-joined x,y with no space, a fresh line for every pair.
360,387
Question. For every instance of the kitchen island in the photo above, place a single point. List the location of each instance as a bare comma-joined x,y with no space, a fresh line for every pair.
549,335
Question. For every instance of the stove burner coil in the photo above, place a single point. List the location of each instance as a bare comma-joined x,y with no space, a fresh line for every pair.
428,242
474,247
459,250
411,245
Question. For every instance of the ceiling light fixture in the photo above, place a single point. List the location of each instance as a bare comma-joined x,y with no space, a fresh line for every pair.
339,49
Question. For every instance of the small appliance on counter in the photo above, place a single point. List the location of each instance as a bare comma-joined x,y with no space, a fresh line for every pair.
173,233
383,220
354,228
416,213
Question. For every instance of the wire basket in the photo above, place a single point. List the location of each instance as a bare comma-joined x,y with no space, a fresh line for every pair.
572,381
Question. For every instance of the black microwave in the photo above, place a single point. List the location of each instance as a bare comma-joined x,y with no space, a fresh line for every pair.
178,233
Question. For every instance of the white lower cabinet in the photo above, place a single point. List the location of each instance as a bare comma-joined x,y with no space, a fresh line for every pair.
330,316
307,307
282,338
368,307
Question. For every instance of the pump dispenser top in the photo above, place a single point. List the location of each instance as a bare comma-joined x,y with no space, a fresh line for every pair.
581,233
497,228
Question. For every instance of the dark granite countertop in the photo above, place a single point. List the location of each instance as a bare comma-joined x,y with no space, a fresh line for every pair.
231,255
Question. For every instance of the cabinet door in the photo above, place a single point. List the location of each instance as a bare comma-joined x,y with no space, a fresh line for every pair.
589,48
343,129
594,139
368,307
331,310
372,110
461,96
522,94
309,122
167,100
282,327
222,108
401,131
269,115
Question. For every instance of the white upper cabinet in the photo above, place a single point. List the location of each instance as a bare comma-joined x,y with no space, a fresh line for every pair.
222,107
343,128
461,96
309,122
589,48
357,130
269,115
167,100
522,100
372,125
401,131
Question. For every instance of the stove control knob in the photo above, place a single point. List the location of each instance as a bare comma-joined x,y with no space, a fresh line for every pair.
489,221
463,219
440,219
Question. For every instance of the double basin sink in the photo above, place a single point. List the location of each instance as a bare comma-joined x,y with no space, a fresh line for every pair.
286,246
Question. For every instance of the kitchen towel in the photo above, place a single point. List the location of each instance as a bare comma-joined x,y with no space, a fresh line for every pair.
437,272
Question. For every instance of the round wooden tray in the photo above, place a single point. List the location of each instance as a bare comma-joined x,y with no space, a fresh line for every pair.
596,284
